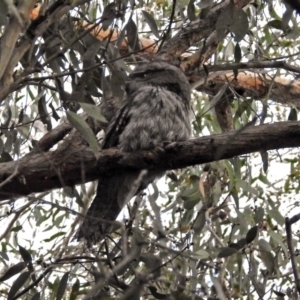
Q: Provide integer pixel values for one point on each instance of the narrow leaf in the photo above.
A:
(241, 243)
(84, 129)
(224, 21)
(265, 159)
(225, 252)
(191, 11)
(54, 236)
(132, 35)
(237, 53)
(240, 24)
(17, 285)
(62, 286)
(251, 234)
(259, 215)
(264, 245)
(25, 254)
(293, 114)
(108, 15)
(75, 290)
(151, 22)
(279, 294)
(13, 271)
(93, 111)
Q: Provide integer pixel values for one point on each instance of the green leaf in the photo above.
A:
(199, 222)
(277, 216)
(132, 35)
(278, 238)
(293, 115)
(275, 24)
(191, 11)
(268, 260)
(62, 286)
(279, 294)
(17, 268)
(83, 128)
(265, 159)
(108, 15)
(224, 21)
(237, 53)
(20, 281)
(241, 243)
(227, 251)
(25, 254)
(264, 245)
(151, 22)
(251, 234)
(259, 215)
(200, 254)
(240, 24)
(54, 236)
(75, 290)
(187, 217)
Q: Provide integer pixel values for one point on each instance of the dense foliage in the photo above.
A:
(216, 230)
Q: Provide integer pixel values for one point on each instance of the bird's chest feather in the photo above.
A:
(156, 115)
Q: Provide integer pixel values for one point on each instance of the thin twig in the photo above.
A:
(288, 229)
(169, 27)
(15, 218)
(33, 284)
(15, 173)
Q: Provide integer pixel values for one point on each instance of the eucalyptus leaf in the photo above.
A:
(227, 251)
(251, 234)
(93, 111)
(240, 24)
(12, 271)
(151, 22)
(20, 281)
(132, 35)
(83, 128)
(25, 254)
(62, 286)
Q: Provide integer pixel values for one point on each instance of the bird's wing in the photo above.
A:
(116, 126)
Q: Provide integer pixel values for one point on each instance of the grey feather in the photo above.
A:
(156, 110)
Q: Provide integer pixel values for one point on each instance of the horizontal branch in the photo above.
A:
(41, 171)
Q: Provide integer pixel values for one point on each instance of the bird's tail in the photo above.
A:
(113, 192)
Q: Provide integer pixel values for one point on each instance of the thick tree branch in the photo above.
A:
(41, 171)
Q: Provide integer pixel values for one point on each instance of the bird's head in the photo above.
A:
(159, 74)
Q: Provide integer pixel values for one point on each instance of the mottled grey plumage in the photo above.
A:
(156, 110)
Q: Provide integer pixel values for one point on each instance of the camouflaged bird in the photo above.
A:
(155, 110)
